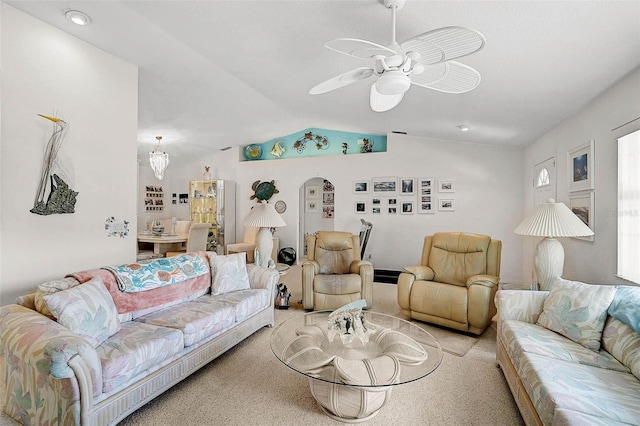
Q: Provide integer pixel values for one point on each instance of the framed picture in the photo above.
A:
(327, 186)
(360, 186)
(312, 206)
(375, 201)
(385, 185)
(447, 205)
(407, 186)
(406, 207)
(392, 210)
(360, 207)
(424, 207)
(375, 209)
(580, 167)
(327, 198)
(312, 192)
(327, 212)
(392, 201)
(583, 206)
(447, 185)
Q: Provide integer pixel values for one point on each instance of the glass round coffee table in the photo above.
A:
(351, 375)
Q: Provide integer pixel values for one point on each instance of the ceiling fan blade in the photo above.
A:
(361, 49)
(382, 103)
(341, 80)
(444, 44)
(448, 77)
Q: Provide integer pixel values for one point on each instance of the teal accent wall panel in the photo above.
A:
(315, 143)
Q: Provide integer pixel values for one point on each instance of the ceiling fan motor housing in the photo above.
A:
(393, 83)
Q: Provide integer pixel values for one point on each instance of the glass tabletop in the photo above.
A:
(397, 351)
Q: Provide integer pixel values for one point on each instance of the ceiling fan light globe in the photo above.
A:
(393, 83)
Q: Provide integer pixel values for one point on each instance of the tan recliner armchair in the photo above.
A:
(455, 283)
(333, 274)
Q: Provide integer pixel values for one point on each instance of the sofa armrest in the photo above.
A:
(41, 360)
(485, 280)
(520, 305)
(261, 277)
(421, 272)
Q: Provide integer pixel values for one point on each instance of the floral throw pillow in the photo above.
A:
(87, 310)
(51, 287)
(577, 311)
(229, 273)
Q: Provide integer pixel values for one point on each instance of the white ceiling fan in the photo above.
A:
(425, 60)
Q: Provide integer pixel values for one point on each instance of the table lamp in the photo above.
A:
(264, 216)
(551, 220)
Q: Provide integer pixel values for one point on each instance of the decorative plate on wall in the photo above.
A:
(253, 152)
(280, 206)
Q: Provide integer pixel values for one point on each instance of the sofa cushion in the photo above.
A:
(521, 337)
(51, 287)
(229, 273)
(556, 384)
(623, 343)
(87, 310)
(564, 417)
(137, 347)
(577, 311)
(626, 306)
(197, 321)
(243, 302)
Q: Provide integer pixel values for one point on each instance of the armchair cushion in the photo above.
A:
(334, 252)
(454, 257)
(338, 284)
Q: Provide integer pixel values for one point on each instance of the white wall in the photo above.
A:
(593, 262)
(45, 71)
(488, 194)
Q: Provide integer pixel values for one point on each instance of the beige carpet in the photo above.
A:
(249, 386)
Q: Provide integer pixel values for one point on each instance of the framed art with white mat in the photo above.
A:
(581, 167)
(582, 204)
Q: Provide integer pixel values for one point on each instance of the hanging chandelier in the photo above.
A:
(159, 160)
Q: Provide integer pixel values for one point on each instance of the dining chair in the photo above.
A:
(196, 241)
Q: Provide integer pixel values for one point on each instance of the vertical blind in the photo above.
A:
(629, 207)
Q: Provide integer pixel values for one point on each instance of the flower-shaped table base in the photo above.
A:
(352, 381)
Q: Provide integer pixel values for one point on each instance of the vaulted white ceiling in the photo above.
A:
(214, 74)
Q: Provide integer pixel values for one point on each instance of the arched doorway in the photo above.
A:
(317, 197)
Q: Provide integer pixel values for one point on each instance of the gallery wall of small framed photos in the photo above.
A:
(153, 198)
(328, 200)
(404, 195)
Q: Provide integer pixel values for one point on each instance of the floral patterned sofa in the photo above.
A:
(93, 347)
(571, 355)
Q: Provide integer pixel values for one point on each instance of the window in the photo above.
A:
(629, 203)
(543, 178)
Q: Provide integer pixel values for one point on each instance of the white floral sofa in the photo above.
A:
(571, 355)
(80, 350)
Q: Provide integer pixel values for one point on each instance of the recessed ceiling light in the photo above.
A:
(464, 128)
(77, 17)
